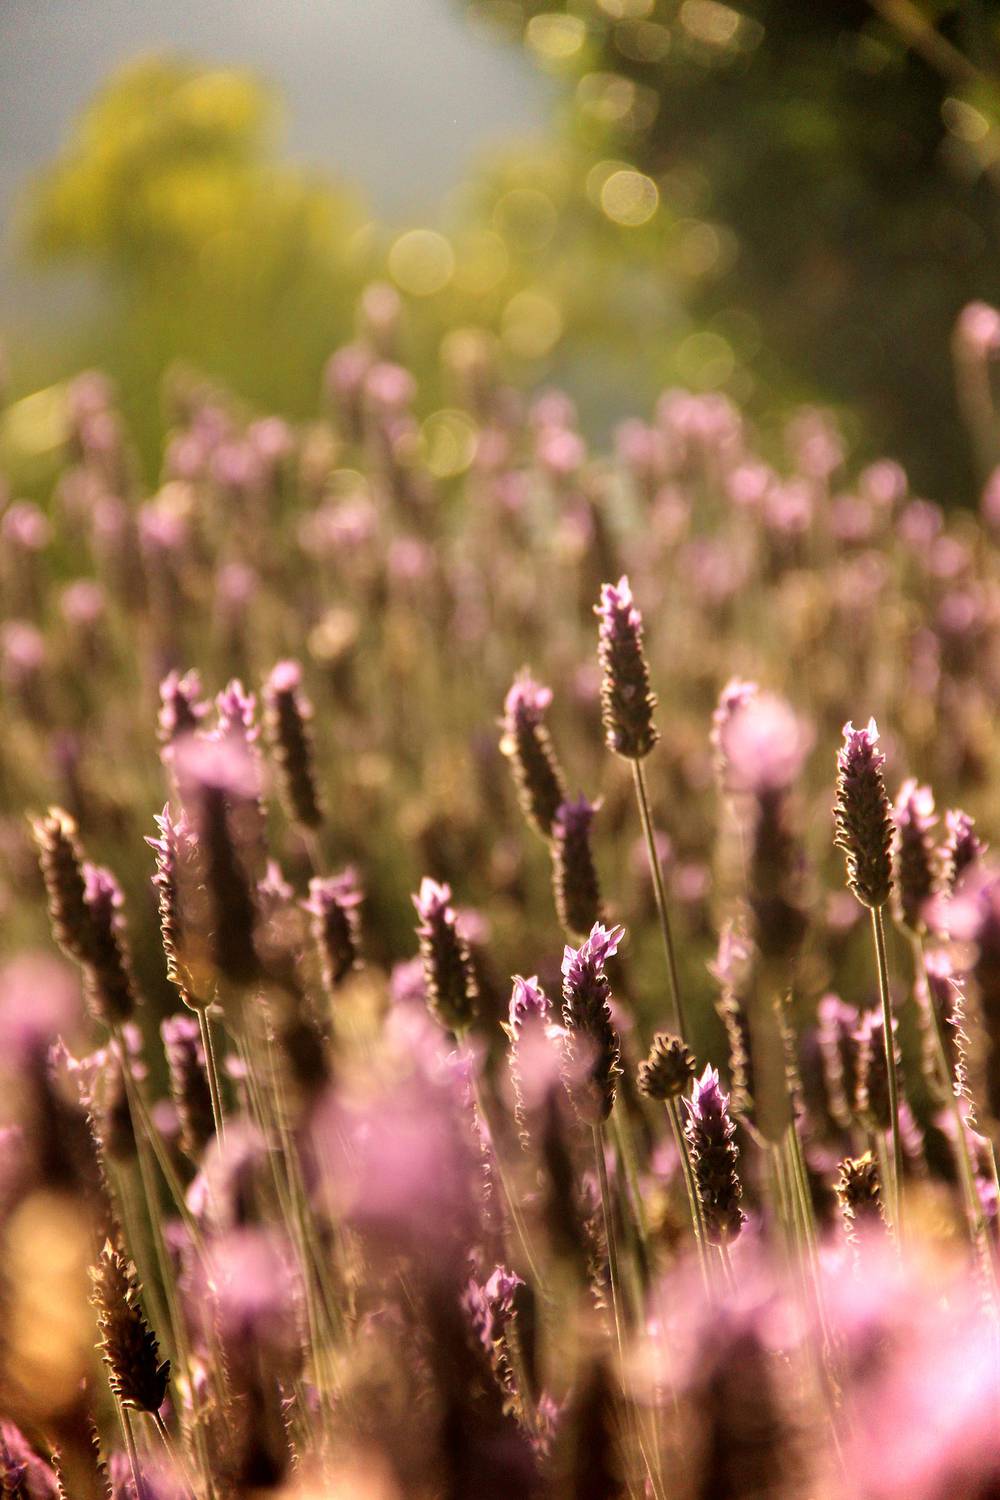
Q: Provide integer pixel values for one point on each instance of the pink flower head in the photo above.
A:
(592, 954)
(763, 744)
(237, 713)
(225, 766)
(527, 700)
(528, 1000)
(978, 330)
(181, 705)
(860, 745)
(433, 902)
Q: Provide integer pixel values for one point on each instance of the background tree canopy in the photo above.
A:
(785, 203)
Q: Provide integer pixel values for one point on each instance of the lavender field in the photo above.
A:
(499, 939)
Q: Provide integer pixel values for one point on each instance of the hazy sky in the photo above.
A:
(394, 94)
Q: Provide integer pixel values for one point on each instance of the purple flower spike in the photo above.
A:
(288, 717)
(574, 877)
(714, 1155)
(528, 1002)
(237, 713)
(333, 904)
(452, 993)
(627, 702)
(915, 819)
(863, 817)
(592, 1045)
(528, 746)
(181, 706)
(962, 848)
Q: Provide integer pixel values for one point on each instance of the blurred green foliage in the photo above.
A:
(786, 203)
(211, 247)
(831, 169)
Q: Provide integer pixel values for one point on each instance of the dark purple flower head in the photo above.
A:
(574, 876)
(189, 1089)
(714, 1156)
(181, 705)
(592, 1045)
(288, 722)
(668, 1069)
(333, 904)
(528, 1002)
(110, 987)
(863, 815)
(915, 819)
(627, 702)
(962, 847)
(236, 711)
(452, 992)
(491, 1304)
(527, 744)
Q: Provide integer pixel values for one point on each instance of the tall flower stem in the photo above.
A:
(639, 777)
(694, 1203)
(132, 1451)
(614, 1273)
(973, 1207)
(878, 931)
(212, 1071)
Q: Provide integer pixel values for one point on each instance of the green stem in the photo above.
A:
(614, 1274)
(973, 1208)
(133, 1456)
(639, 776)
(694, 1202)
(211, 1069)
(878, 931)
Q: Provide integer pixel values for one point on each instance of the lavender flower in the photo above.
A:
(288, 716)
(61, 862)
(452, 993)
(110, 986)
(627, 702)
(863, 816)
(733, 969)
(714, 1155)
(189, 1088)
(592, 1045)
(220, 786)
(839, 1047)
(528, 746)
(667, 1070)
(943, 1008)
(532, 1058)
(175, 851)
(181, 707)
(962, 848)
(128, 1345)
(333, 904)
(914, 818)
(574, 877)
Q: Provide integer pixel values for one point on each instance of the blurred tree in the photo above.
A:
(832, 169)
(213, 249)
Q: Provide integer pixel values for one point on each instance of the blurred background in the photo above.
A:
(778, 201)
